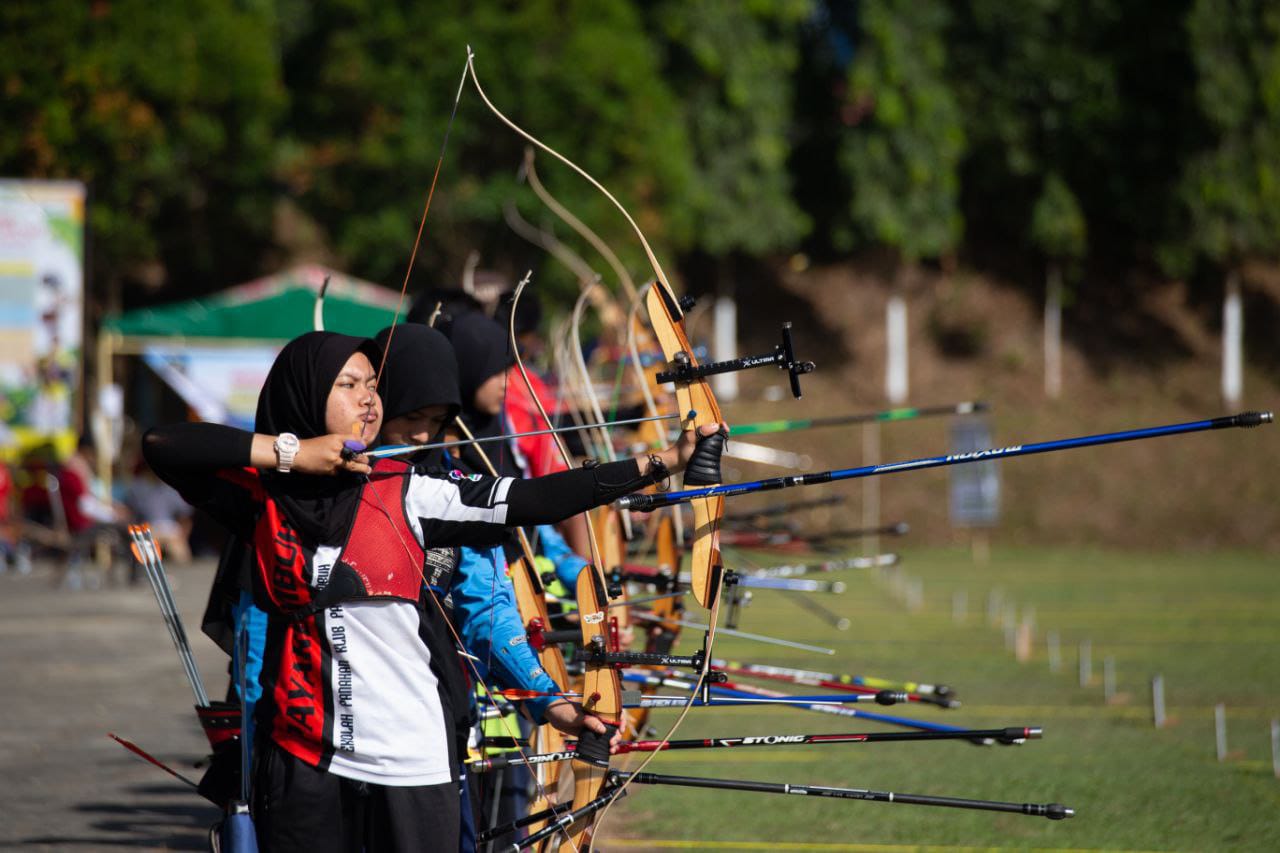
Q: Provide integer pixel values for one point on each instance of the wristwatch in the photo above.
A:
(286, 447)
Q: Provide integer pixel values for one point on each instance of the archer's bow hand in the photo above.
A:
(697, 452)
(571, 719)
(703, 465)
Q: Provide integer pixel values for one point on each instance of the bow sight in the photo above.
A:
(784, 356)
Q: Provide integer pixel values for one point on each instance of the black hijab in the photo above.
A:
(293, 399)
(483, 350)
(421, 371)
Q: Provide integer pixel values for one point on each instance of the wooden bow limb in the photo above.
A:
(532, 604)
(602, 687)
(665, 314)
(535, 183)
(647, 379)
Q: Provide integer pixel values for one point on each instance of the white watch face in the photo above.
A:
(287, 442)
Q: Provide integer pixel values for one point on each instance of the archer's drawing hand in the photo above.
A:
(323, 455)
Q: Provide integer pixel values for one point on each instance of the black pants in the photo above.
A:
(299, 808)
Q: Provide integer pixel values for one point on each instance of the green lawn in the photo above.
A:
(1208, 622)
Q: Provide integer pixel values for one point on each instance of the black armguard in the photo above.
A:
(620, 478)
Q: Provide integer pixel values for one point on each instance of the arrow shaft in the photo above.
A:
(648, 502)
(805, 676)
(764, 427)
(878, 561)
(400, 449)
(759, 638)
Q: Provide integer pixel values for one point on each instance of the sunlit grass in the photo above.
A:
(1207, 622)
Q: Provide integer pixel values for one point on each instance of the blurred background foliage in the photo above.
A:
(222, 138)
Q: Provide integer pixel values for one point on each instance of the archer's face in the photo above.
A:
(417, 427)
(490, 395)
(353, 401)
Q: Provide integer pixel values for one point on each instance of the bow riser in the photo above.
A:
(698, 406)
(601, 695)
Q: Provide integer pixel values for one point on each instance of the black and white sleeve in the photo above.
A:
(456, 508)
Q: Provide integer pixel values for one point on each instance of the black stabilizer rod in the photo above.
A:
(1052, 811)
(1008, 735)
(565, 821)
(784, 356)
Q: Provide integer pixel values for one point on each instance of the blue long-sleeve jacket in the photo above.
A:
(568, 563)
(484, 605)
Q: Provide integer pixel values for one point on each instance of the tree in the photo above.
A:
(168, 113)
(732, 64)
(1231, 189)
(374, 83)
(1061, 90)
(1059, 231)
(902, 153)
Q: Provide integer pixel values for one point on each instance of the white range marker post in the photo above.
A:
(871, 488)
(1220, 729)
(959, 606)
(1055, 651)
(1157, 701)
(917, 595)
(724, 344)
(1026, 635)
(1108, 678)
(896, 383)
(994, 597)
(1085, 657)
(1010, 624)
(1053, 332)
(1275, 747)
(1232, 342)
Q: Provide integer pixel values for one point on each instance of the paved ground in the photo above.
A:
(76, 665)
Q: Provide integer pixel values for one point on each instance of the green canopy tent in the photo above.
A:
(272, 309)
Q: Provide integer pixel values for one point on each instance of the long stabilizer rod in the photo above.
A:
(654, 501)
(1011, 735)
(1053, 811)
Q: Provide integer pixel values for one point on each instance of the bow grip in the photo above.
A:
(704, 465)
(593, 748)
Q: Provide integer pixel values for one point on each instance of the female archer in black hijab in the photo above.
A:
(354, 751)
(484, 356)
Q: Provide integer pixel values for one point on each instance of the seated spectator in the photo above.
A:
(82, 493)
(90, 518)
(158, 504)
(11, 554)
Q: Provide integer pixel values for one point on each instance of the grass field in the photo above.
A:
(1209, 623)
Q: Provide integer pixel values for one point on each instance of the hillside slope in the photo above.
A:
(1154, 362)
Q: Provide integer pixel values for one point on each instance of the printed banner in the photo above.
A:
(220, 384)
(42, 226)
